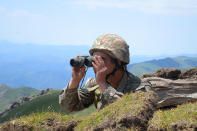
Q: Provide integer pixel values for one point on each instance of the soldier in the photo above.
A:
(111, 82)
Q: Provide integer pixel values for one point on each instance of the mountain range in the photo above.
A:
(40, 67)
(9, 95)
(180, 62)
(47, 66)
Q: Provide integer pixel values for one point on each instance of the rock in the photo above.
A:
(14, 105)
(171, 73)
(177, 87)
(45, 91)
(173, 92)
(190, 73)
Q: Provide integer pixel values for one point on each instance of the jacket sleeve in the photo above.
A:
(76, 99)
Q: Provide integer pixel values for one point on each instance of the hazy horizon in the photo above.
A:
(149, 27)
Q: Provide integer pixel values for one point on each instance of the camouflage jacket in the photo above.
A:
(75, 99)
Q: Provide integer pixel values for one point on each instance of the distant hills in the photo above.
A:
(47, 66)
(180, 62)
(9, 95)
(38, 66)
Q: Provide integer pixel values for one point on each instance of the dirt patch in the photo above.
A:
(49, 124)
(12, 126)
(68, 126)
(178, 126)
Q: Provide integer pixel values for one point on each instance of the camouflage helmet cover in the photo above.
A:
(113, 45)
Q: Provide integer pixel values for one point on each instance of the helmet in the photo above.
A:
(113, 45)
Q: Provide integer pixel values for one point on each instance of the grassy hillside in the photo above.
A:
(128, 113)
(9, 95)
(45, 103)
(133, 105)
(181, 62)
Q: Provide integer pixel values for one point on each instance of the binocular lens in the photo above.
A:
(81, 61)
(88, 61)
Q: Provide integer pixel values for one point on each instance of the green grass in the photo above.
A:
(186, 113)
(35, 119)
(132, 102)
(46, 103)
(39, 120)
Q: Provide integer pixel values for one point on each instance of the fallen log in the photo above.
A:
(173, 92)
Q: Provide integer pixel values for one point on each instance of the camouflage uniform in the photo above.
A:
(75, 99)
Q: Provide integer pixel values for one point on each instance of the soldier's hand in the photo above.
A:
(101, 71)
(78, 73)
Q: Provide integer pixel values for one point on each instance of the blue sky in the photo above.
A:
(150, 27)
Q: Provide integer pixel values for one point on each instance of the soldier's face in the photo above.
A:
(107, 61)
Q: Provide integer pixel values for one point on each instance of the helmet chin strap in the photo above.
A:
(117, 66)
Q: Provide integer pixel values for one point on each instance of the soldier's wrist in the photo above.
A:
(73, 83)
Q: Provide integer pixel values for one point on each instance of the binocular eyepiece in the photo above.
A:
(80, 61)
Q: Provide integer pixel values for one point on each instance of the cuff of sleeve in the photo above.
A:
(68, 90)
(110, 92)
(71, 90)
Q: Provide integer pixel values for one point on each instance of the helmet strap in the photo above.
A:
(117, 66)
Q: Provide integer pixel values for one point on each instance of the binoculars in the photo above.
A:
(80, 61)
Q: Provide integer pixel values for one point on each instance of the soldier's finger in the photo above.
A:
(100, 61)
(94, 65)
(83, 69)
(96, 61)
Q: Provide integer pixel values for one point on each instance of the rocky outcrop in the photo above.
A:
(22, 100)
(165, 73)
(189, 74)
(173, 74)
(173, 87)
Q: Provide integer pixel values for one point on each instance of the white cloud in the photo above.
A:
(19, 13)
(147, 6)
(2, 9)
(23, 13)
